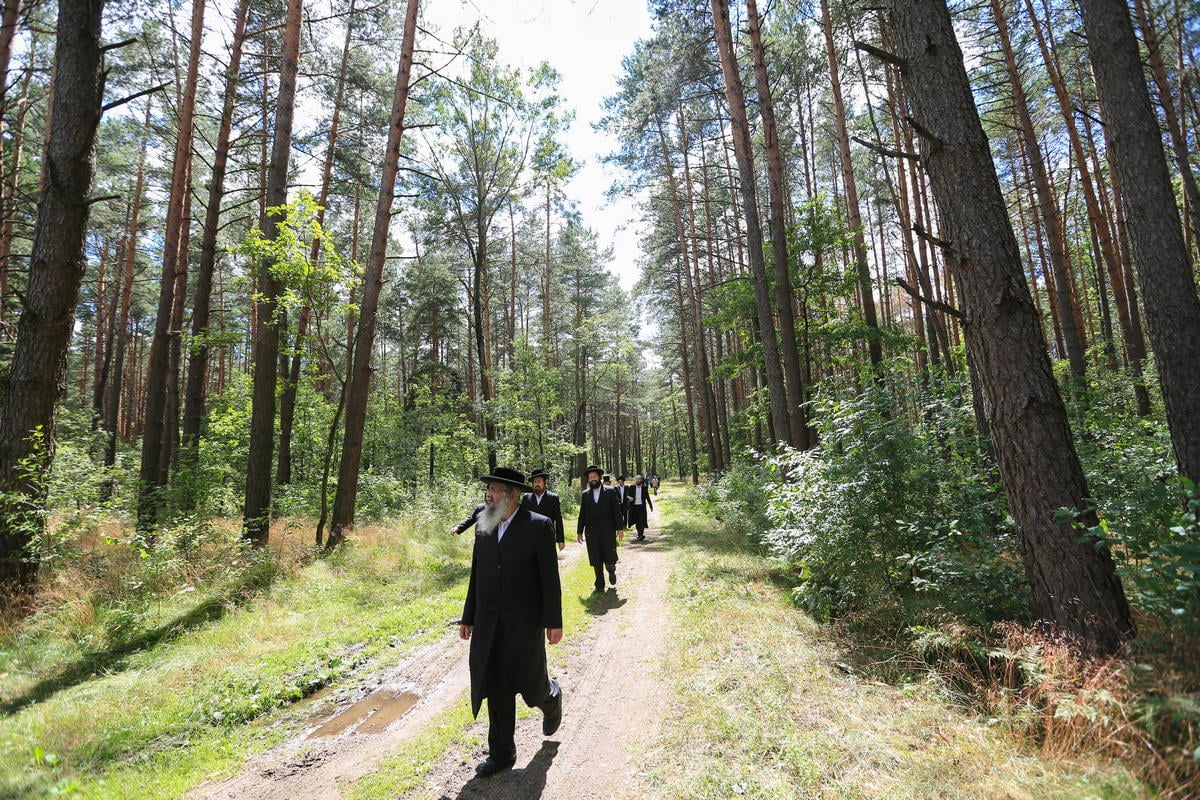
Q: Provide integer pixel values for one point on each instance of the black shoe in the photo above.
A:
(612, 575)
(599, 589)
(490, 766)
(641, 538)
(552, 709)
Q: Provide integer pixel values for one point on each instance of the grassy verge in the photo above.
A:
(145, 693)
(766, 708)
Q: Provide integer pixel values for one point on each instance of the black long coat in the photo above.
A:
(600, 521)
(637, 514)
(549, 507)
(513, 596)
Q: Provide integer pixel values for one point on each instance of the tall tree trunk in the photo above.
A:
(195, 391)
(1047, 204)
(37, 374)
(360, 375)
(150, 479)
(112, 407)
(1156, 236)
(8, 30)
(853, 212)
(1135, 346)
(743, 152)
(777, 201)
(256, 513)
(287, 398)
(1075, 585)
(681, 305)
(708, 404)
(1166, 102)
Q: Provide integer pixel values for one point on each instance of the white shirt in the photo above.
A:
(596, 495)
(504, 525)
(537, 498)
(637, 495)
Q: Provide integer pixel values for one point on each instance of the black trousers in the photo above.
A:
(502, 709)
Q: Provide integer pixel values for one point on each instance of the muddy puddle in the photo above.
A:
(372, 714)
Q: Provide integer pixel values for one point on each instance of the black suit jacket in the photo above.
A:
(514, 594)
(549, 507)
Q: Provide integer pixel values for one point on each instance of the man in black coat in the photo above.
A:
(602, 519)
(540, 501)
(637, 501)
(513, 607)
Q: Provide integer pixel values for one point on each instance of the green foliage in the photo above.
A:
(885, 510)
(1149, 515)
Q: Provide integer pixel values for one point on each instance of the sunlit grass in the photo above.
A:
(765, 708)
(153, 708)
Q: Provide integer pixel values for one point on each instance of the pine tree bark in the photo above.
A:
(777, 201)
(8, 30)
(743, 152)
(1160, 254)
(858, 243)
(112, 406)
(150, 478)
(1075, 586)
(195, 390)
(256, 513)
(360, 375)
(1102, 229)
(37, 374)
(1047, 205)
(287, 398)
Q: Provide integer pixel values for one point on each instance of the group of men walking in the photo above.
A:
(513, 605)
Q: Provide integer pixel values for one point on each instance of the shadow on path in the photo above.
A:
(527, 783)
(600, 603)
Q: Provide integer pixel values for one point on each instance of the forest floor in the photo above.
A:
(693, 678)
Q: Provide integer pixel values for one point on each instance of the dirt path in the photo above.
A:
(612, 699)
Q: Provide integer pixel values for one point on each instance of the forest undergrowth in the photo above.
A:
(896, 534)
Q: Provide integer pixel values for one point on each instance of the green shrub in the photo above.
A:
(885, 510)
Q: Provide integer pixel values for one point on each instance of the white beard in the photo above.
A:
(489, 519)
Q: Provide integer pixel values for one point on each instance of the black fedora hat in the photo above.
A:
(539, 473)
(511, 477)
(593, 468)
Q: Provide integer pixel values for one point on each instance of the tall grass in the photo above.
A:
(138, 670)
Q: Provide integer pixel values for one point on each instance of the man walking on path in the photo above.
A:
(540, 501)
(514, 599)
(638, 501)
(601, 522)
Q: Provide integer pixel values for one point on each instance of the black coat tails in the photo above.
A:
(513, 596)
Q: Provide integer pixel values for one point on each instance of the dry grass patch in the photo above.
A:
(767, 709)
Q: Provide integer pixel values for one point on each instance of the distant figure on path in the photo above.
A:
(513, 607)
(540, 501)
(601, 522)
(637, 499)
(654, 485)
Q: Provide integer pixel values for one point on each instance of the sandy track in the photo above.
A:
(613, 697)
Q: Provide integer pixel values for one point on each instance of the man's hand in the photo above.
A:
(562, 546)
(553, 635)
(579, 538)
(464, 632)
(621, 534)
(455, 531)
